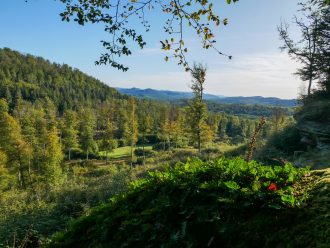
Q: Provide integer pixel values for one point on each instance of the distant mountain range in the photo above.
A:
(167, 95)
(163, 95)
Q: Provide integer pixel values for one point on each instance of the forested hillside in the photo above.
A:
(34, 78)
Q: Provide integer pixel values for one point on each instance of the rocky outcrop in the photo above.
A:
(315, 134)
(313, 122)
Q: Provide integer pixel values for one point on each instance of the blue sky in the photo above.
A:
(258, 66)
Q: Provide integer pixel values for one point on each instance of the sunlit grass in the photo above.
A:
(124, 151)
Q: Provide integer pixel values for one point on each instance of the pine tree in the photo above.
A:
(52, 158)
(6, 179)
(31, 127)
(86, 131)
(131, 134)
(145, 126)
(13, 145)
(162, 130)
(223, 128)
(197, 109)
(123, 124)
(178, 131)
(167, 132)
(214, 122)
(69, 131)
(108, 141)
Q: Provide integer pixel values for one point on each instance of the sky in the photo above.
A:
(258, 66)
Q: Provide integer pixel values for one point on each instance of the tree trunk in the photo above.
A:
(19, 178)
(310, 78)
(69, 154)
(20, 175)
(144, 156)
(87, 153)
(106, 157)
(29, 162)
(199, 142)
(131, 155)
(309, 87)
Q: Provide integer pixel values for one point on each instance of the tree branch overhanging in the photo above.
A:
(117, 17)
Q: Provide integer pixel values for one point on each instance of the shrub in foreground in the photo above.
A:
(196, 204)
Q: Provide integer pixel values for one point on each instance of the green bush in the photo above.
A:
(196, 204)
(161, 146)
(211, 150)
(139, 152)
(122, 142)
(165, 146)
(80, 154)
(149, 139)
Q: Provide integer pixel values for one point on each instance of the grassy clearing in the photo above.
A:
(125, 151)
(225, 147)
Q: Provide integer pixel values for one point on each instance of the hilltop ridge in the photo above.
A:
(168, 95)
(33, 78)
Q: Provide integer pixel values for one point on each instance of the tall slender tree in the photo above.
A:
(13, 145)
(197, 109)
(86, 131)
(306, 49)
(323, 58)
(132, 127)
(145, 126)
(69, 131)
(108, 142)
(52, 157)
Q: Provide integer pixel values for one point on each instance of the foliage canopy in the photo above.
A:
(118, 18)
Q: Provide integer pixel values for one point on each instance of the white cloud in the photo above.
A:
(246, 75)
(255, 74)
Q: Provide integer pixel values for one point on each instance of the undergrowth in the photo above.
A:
(195, 204)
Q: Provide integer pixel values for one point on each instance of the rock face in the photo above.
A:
(315, 134)
(314, 124)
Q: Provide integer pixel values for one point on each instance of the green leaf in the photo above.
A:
(288, 199)
(256, 186)
(232, 185)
